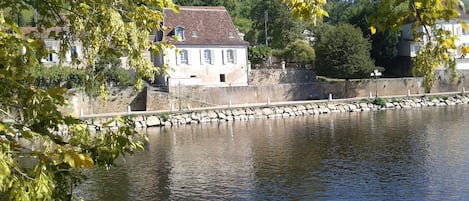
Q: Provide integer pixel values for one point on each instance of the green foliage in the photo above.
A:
(365, 100)
(164, 116)
(57, 76)
(259, 54)
(299, 51)
(243, 24)
(68, 77)
(42, 151)
(342, 52)
(379, 101)
(433, 55)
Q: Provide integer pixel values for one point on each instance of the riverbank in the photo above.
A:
(277, 110)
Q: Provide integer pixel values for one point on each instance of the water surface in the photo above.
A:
(416, 154)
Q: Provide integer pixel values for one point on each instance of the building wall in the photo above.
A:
(279, 76)
(298, 91)
(185, 97)
(197, 72)
(409, 48)
(53, 58)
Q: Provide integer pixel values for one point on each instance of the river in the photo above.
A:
(413, 154)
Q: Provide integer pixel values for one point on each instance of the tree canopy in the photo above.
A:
(42, 150)
(343, 52)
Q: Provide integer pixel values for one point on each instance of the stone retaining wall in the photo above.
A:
(286, 111)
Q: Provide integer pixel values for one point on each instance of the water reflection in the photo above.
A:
(392, 155)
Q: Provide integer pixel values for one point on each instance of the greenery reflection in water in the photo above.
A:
(417, 154)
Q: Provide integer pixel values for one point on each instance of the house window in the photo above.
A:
(194, 34)
(230, 56)
(208, 56)
(222, 78)
(74, 51)
(51, 56)
(183, 57)
(465, 32)
(416, 48)
(179, 32)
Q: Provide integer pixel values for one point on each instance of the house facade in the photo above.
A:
(209, 50)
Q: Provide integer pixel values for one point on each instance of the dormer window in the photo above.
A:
(179, 31)
(230, 35)
(194, 34)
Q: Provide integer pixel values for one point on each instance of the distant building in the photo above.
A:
(209, 50)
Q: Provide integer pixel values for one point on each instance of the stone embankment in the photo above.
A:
(168, 119)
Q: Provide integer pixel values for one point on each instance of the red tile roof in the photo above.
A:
(44, 34)
(210, 25)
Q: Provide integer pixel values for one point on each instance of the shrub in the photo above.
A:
(69, 77)
(379, 101)
(164, 116)
(57, 76)
(259, 54)
(343, 52)
(299, 52)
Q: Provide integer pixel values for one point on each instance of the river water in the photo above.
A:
(414, 154)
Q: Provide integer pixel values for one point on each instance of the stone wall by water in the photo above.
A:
(284, 111)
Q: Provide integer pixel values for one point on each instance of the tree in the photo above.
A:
(42, 151)
(282, 29)
(437, 43)
(299, 52)
(259, 54)
(342, 52)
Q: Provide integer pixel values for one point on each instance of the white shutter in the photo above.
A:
(55, 56)
(68, 56)
(212, 57)
(201, 57)
(188, 58)
(223, 57)
(234, 56)
(177, 57)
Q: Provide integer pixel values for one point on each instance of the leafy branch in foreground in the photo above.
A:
(436, 43)
(42, 151)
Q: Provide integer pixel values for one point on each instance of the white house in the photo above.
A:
(209, 50)
(52, 58)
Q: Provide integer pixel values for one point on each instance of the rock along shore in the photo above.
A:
(168, 119)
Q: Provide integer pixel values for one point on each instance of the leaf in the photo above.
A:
(2, 127)
(373, 30)
(77, 160)
(465, 50)
(418, 5)
(57, 90)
